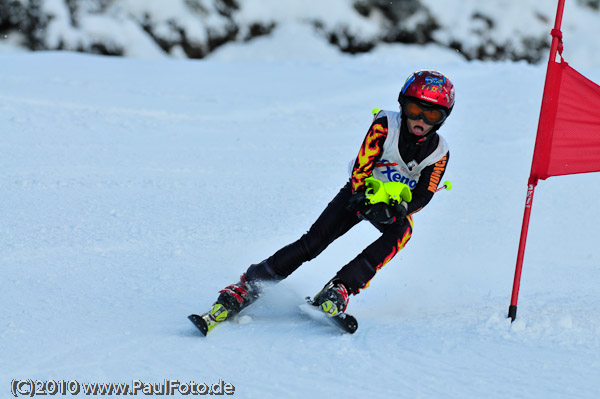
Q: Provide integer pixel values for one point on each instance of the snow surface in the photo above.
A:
(133, 190)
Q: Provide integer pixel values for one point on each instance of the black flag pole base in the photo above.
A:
(512, 312)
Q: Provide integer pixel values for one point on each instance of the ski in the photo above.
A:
(345, 321)
(207, 321)
(202, 322)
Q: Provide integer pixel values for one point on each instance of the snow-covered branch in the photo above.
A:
(490, 30)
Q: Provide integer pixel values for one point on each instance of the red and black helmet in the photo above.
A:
(429, 87)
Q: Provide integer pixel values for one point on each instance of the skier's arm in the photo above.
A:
(428, 183)
(370, 151)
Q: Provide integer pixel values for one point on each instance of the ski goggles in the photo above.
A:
(431, 116)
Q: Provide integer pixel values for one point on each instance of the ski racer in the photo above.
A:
(399, 147)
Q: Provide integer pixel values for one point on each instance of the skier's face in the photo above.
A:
(418, 127)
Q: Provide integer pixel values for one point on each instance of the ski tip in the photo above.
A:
(350, 324)
(199, 322)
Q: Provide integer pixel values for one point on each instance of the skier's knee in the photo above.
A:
(262, 271)
(312, 246)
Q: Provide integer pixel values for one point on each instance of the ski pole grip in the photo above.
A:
(398, 191)
(375, 191)
(378, 191)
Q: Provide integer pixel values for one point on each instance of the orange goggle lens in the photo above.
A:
(430, 116)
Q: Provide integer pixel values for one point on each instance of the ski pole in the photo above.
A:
(447, 186)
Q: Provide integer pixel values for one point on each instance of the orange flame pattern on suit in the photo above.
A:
(400, 245)
(369, 151)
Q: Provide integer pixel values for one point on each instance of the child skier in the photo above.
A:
(399, 147)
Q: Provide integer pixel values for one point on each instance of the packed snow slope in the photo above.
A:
(133, 190)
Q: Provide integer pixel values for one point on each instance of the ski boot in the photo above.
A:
(235, 297)
(232, 299)
(332, 301)
(333, 298)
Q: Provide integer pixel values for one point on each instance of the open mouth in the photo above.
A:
(418, 130)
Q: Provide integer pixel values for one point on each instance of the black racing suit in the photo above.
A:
(338, 218)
